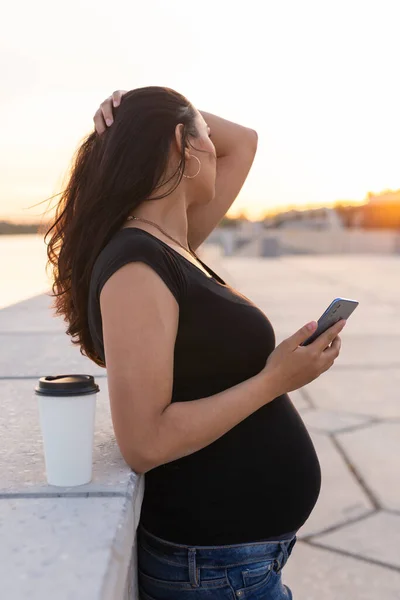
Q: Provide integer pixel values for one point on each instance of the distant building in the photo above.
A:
(317, 219)
(386, 197)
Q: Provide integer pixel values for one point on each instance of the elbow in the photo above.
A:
(143, 451)
(139, 466)
(139, 461)
(253, 139)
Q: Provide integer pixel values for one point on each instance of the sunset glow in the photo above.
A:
(318, 81)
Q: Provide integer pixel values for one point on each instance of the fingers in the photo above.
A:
(326, 338)
(106, 109)
(334, 349)
(116, 97)
(331, 353)
(99, 123)
(107, 106)
(301, 335)
(104, 117)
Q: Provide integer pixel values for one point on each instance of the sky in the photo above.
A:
(318, 80)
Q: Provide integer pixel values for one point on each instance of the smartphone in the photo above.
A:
(340, 308)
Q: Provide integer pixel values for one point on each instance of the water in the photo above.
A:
(22, 268)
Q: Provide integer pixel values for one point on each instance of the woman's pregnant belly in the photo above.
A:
(262, 478)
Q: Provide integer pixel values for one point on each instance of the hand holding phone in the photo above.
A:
(290, 367)
(340, 308)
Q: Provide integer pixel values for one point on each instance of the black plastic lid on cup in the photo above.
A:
(66, 385)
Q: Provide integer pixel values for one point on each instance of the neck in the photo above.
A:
(169, 213)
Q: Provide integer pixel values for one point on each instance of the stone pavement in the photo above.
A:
(350, 547)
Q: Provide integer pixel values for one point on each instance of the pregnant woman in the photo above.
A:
(198, 390)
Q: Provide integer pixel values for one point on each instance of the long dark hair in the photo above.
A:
(111, 175)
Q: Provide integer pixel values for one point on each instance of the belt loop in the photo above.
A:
(193, 571)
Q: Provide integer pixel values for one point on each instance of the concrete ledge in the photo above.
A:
(74, 543)
(70, 548)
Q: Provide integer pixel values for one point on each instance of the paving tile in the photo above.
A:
(293, 290)
(374, 276)
(348, 500)
(374, 538)
(331, 421)
(319, 574)
(369, 351)
(369, 391)
(375, 453)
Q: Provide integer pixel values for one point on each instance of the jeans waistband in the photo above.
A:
(217, 556)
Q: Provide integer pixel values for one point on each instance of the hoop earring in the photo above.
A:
(193, 176)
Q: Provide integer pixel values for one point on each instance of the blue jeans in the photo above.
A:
(168, 571)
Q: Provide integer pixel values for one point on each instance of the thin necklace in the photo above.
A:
(132, 218)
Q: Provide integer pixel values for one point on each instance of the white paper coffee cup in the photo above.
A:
(67, 408)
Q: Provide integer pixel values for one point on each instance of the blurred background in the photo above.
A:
(318, 217)
(317, 80)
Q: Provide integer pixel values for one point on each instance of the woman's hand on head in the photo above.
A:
(104, 117)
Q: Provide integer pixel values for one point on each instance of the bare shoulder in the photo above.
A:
(132, 285)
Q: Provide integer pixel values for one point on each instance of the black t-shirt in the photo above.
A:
(260, 479)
